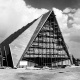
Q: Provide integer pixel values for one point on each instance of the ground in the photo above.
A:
(55, 74)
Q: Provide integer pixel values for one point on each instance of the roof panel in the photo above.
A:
(18, 46)
(41, 23)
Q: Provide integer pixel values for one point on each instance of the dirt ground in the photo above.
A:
(55, 74)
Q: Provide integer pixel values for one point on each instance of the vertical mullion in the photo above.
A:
(42, 51)
(38, 48)
(5, 56)
(49, 44)
(34, 54)
(46, 48)
(1, 58)
(57, 51)
(29, 57)
(53, 43)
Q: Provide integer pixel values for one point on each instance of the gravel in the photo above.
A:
(55, 74)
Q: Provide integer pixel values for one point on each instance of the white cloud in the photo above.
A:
(69, 21)
(61, 18)
(67, 10)
(14, 14)
(76, 16)
(73, 39)
(73, 17)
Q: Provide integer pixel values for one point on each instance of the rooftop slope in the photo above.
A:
(19, 44)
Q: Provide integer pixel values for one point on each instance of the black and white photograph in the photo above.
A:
(39, 39)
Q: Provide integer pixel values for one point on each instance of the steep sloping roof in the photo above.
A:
(5, 48)
(39, 26)
(18, 46)
(37, 29)
(13, 36)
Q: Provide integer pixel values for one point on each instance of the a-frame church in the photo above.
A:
(40, 42)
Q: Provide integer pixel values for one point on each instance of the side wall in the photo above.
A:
(5, 56)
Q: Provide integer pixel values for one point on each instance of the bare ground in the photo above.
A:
(55, 74)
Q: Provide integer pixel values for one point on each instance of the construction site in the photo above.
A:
(43, 46)
(39, 39)
(38, 51)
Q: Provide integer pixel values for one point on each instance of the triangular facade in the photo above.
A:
(46, 45)
(7, 57)
(18, 46)
(42, 43)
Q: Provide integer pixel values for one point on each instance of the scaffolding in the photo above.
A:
(48, 48)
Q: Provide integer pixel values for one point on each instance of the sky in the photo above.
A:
(15, 14)
(48, 4)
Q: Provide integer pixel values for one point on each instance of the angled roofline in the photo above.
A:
(63, 39)
(16, 34)
(13, 36)
(32, 38)
(64, 42)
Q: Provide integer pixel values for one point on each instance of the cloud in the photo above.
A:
(62, 21)
(69, 10)
(73, 24)
(73, 17)
(15, 14)
(61, 18)
(76, 19)
(69, 22)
